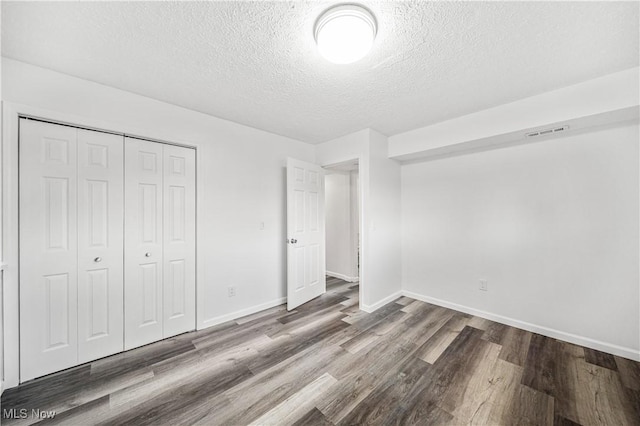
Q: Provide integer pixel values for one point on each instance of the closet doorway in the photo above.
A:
(107, 244)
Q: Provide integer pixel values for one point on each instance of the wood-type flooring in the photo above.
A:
(328, 363)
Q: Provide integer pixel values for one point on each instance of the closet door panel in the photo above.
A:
(143, 242)
(101, 246)
(179, 240)
(48, 248)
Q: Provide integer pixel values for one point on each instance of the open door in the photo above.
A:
(305, 232)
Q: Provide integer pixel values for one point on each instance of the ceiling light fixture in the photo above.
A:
(345, 33)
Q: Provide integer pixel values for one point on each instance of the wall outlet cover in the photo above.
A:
(483, 285)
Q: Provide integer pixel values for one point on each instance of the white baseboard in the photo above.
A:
(241, 313)
(545, 331)
(380, 303)
(342, 277)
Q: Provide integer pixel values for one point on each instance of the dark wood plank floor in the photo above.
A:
(329, 363)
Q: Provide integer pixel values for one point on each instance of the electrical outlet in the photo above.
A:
(231, 291)
(483, 285)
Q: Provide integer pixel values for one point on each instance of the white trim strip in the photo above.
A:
(342, 277)
(624, 352)
(380, 303)
(241, 313)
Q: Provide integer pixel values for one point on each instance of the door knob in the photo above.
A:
(147, 254)
(97, 259)
(293, 241)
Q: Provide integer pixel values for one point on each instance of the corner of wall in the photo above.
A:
(383, 225)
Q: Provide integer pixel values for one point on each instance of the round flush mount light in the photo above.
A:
(345, 33)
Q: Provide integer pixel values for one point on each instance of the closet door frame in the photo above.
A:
(9, 232)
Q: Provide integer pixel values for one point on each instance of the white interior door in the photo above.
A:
(179, 244)
(48, 248)
(100, 244)
(143, 242)
(305, 232)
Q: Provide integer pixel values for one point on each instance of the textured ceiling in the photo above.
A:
(256, 63)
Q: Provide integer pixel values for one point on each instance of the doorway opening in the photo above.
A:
(342, 230)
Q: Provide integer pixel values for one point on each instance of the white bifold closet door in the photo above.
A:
(71, 250)
(179, 243)
(100, 245)
(159, 241)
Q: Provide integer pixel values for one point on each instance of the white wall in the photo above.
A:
(345, 148)
(341, 261)
(2, 386)
(384, 262)
(241, 181)
(552, 226)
